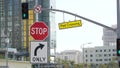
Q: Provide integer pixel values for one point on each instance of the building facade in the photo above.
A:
(109, 36)
(10, 23)
(70, 55)
(13, 27)
(100, 55)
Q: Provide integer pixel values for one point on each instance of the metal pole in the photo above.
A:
(83, 55)
(118, 26)
(36, 14)
(7, 55)
(84, 52)
(7, 42)
(92, 21)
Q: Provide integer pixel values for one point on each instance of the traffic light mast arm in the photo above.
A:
(94, 22)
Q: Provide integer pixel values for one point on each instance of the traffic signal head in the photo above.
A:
(118, 47)
(24, 10)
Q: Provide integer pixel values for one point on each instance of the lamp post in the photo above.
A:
(7, 45)
(6, 54)
(83, 50)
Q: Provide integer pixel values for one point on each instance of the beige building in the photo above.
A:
(70, 55)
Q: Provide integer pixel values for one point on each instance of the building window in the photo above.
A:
(9, 13)
(86, 60)
(96, 50)
(91, 55)
(109, 54)
(100, 59)
(105, 59)
(96, 59)
(86, 55)
(105, 55)
(100, 50)
(114, 50)
(109, 59)
(114, 54)
(104, 50)
(66, 58)
(91, 60)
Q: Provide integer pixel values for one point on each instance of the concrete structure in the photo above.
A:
(109, 36)
(100, 55)
(70, 55)
(16, 64)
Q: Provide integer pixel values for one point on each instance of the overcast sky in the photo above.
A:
(103, 11)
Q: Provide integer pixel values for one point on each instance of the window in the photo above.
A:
(109, 59)
(100, 50)
(9, 13)
(104, 50)
(91, 60)
(91, 55)
(100, 59)
(96, 50)
(86, 55)
(105, 55)
(9, 23)
(105, 59)
(114, 50)
(114, 54)
(86, 60)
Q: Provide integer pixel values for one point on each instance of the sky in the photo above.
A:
(102, 11)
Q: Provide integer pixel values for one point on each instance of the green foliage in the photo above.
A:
(71, 64)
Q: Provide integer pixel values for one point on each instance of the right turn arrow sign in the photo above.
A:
(38, 52)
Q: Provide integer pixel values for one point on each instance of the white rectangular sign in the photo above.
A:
(38, 52)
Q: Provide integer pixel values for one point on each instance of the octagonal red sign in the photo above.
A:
(39, 30)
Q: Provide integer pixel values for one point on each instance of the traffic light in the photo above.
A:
(24, 10)
(118, 47)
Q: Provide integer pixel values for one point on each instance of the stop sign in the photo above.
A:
(39, 30)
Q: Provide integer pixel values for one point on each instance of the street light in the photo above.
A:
(6, 56)
(7, 43)
(83, 50)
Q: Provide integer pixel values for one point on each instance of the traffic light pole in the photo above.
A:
(92, 21)
(118, 29)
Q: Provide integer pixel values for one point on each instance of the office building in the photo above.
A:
(109, 36)
(70, 55)
(100, 55)
(10, 24)
(13, 27)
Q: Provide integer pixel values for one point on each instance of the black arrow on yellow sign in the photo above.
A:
(40, 46)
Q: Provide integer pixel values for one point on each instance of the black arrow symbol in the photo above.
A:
(40, 46)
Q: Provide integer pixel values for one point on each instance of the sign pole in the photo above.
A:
(36, 14)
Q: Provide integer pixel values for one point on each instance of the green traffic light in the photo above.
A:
(118, 51)
(24, 15)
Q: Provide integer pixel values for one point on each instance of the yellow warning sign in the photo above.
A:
(70, 24)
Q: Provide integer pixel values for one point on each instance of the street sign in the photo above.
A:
(38, 52)
(70, 24)
(37, 9)
(39, 30)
